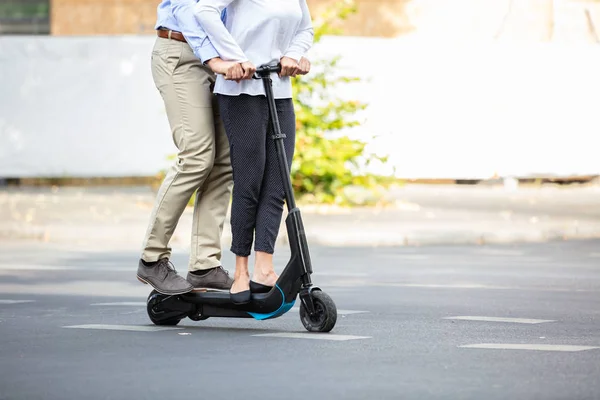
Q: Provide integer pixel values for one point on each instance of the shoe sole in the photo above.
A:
(162, 291)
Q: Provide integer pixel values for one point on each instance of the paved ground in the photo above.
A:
(414, 324)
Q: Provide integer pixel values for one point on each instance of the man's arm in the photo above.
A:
(207, 13)
(183, 10)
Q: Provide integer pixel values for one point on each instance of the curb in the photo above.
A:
(337, 237)
(414, 238)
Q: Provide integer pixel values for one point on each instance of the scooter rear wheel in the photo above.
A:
(153, 300)
(325, 313)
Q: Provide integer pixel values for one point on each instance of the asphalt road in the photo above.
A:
(405, 317)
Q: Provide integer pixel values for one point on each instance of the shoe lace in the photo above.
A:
(168, 264)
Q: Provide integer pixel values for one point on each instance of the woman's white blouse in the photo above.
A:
(259, 31)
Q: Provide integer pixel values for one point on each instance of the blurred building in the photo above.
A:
(107, 17)
(522, 20)
(483, 87)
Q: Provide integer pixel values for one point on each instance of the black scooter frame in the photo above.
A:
(294, 280)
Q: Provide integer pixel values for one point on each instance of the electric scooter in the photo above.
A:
(318, 312)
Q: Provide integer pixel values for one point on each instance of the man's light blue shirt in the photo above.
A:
(178, 15)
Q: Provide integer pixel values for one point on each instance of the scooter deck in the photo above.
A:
(261, 306)
(218, 298)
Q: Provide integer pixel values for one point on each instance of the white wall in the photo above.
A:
(88, 106)
(80, 107)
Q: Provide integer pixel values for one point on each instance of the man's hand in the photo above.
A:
(219, 66)
(232, 70)
(249, 70)
(304, 66)
(289, 67)
(234, 73)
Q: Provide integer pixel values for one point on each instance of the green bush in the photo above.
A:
(321, 169)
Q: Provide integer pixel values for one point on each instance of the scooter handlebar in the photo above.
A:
(265, 70)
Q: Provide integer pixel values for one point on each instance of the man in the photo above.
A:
(182, 60)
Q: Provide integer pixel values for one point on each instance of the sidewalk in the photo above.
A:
(116, 218)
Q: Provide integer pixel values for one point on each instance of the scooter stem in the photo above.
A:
(278, 136)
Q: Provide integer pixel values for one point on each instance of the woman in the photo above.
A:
(255, 33)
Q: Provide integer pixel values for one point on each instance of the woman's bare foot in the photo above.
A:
(240, 283)
(269, 279)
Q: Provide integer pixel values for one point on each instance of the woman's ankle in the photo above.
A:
(241, 275)
(264, 272)
(241, 267)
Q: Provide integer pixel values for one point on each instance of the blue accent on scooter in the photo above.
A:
(285, 307)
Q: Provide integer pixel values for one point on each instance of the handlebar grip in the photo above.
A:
(265, 70)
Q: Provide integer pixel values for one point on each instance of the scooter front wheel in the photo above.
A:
(325, 313)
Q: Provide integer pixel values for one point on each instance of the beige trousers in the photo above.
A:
(202, 164)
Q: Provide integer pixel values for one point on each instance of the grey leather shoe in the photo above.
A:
(215, 279)
(163, 277)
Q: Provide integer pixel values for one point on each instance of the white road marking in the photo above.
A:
(343, 274)
(135, 328)
(35, 267)
(445, 286)
(15, 301)
(349, 312)
(538, 347)
(314, 336)
(469, 286)
(45, 267)
(339, 312)
(498, 319)
(412, 257)
(498, 252)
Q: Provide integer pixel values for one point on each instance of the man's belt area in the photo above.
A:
(168, 34)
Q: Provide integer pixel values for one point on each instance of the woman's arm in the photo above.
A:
(208, 13)
(303, 38)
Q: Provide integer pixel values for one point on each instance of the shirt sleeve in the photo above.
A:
(207, 13)
(303, 38)
(192, 31)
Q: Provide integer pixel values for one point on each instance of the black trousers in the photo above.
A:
(258, 194)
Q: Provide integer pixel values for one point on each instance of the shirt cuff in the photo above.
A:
(206, 52)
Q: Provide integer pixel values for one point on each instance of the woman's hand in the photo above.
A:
(304, 66)
(289, 67)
